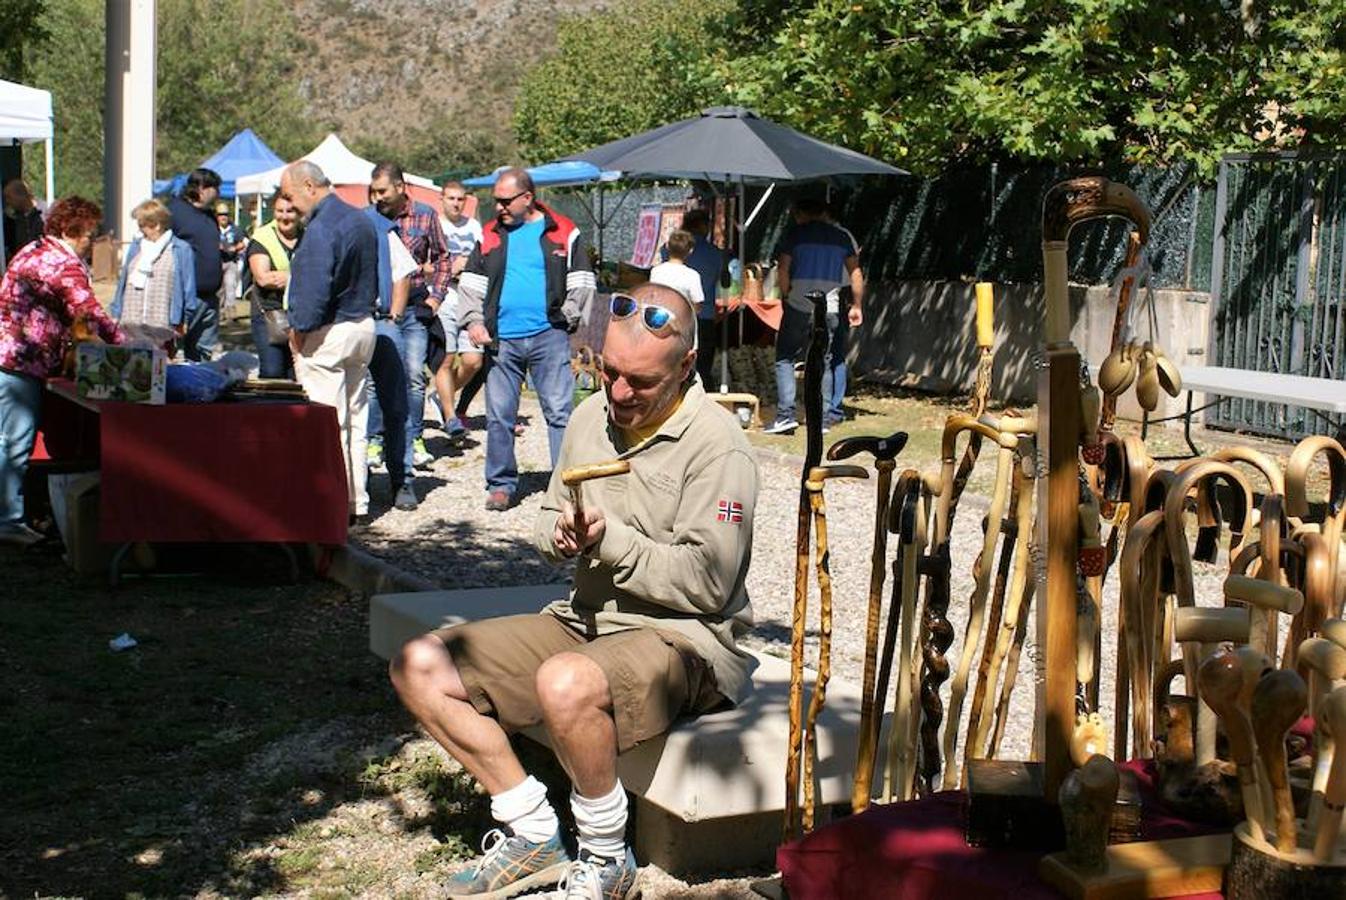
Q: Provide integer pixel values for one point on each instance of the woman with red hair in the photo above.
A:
(44, 291)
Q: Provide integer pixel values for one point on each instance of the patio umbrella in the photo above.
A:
(731, 145)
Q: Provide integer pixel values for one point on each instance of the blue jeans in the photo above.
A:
(275, 358)
(545, 357)
(791, 343)
(202, 340)
(388, 399)
(20, 403)
(412, 341)
(834, 399)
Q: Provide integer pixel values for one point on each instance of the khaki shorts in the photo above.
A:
(654, 676)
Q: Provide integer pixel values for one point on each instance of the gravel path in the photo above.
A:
(454, 542)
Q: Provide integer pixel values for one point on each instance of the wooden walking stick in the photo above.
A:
(1220, 681)
(1278, 702)
(813, 453)
(972, 634)
(818, 505)
(1014, 613)
(1334, 797)
(1203, 629)
(1321, 663)
(885, 452)
(574, 479)
(1263, 598)
(908, 518)
(979, 719)
(1066, 205)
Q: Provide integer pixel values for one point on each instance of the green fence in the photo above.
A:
(1277, 296)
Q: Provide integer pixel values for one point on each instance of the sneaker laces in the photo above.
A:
(579, 878)
(492, 845)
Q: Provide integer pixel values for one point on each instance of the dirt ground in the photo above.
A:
(248, 745)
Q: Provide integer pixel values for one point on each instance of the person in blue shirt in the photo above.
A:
(194, 222)
(815, 255)
(333, 290)
(522, 293)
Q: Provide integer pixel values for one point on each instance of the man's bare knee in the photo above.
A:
(424, 663)
(569, 682)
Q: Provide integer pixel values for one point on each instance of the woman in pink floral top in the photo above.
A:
(44, 290)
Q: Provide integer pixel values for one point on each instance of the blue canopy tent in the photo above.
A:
(244, 154)
(553, 174)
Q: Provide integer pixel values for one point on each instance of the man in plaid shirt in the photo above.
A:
(418, 225)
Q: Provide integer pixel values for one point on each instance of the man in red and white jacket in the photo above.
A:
(523, 291)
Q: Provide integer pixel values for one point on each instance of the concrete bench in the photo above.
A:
(710, 794)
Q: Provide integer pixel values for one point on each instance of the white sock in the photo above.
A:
(524, 808)
(601, 822)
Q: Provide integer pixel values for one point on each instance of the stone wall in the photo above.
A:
(923, 334)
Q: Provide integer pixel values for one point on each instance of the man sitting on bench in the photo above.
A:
(647, 635)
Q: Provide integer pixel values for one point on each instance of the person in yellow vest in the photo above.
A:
(268, 256)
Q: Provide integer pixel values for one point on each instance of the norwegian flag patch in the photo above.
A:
(730, 511)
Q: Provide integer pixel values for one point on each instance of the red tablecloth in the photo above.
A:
(915, 850)
(264, 472)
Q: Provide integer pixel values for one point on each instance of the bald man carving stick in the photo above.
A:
(648, 632)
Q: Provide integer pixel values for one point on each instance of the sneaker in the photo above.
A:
(18, 534)
(456, 429)
(406, 497)
(510, 865)
(499, 500)
(595, 878)
(374, 454)
(420, 457)
(782, 426)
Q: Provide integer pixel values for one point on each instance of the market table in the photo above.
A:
(915, 850)
(257, 472)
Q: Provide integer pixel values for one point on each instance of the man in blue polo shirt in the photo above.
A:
(815, 255)
(334, 278)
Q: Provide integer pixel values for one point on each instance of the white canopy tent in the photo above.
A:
(337, 162)
(25, 117)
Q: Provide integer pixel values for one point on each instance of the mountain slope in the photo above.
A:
(430, 80)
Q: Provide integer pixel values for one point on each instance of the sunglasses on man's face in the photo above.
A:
(658, 319)
(506, 201)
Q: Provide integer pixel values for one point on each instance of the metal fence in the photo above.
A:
(1278, 282)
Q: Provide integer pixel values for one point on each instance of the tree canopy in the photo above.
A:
(921, 84)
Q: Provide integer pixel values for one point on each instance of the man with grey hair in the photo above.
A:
(333, 289)
(522, 293)
(647, 635)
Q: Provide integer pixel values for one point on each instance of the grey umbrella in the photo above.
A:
(733, 145)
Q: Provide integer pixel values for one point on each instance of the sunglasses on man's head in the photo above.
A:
(658, 319)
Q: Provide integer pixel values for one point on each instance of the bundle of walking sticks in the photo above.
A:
(1073, 504)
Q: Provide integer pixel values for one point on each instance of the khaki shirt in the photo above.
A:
(678, 536)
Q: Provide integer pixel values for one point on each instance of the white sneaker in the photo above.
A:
(18, 534)
(782, 426)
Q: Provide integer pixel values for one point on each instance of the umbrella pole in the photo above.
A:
(724, 320)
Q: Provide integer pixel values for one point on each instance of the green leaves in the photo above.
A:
(927, 83)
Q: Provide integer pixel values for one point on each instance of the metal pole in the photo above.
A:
(51, 173)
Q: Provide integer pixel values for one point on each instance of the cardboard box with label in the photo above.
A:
(110, 372)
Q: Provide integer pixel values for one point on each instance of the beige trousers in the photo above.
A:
(333, 366)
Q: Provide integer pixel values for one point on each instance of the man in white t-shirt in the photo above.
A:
(675, 273)
(462, 358)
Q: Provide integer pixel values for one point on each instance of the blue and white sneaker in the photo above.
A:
(596, 878)
(509, 866)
